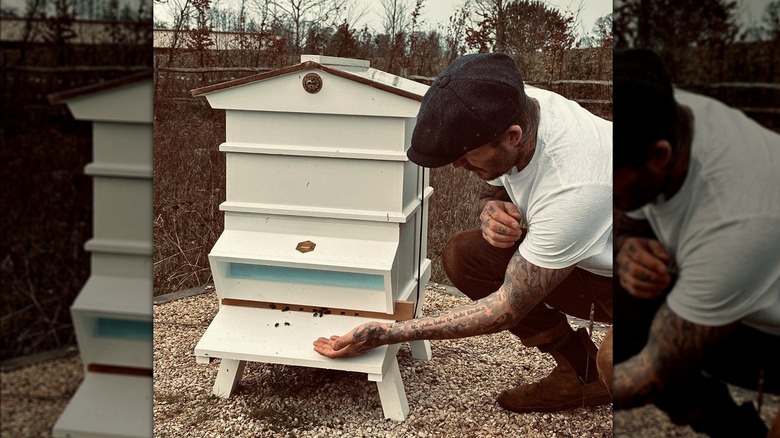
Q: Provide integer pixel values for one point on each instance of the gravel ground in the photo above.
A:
(34, 396)
(451, 395)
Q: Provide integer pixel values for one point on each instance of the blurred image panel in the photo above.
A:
(75, 252)
(697, 209)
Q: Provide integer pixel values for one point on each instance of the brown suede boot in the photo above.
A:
(559, 391)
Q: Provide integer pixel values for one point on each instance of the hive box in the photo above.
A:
(112, 314)
(324, 215)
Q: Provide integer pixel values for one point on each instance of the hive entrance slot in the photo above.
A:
(307, 276)
(124, 329)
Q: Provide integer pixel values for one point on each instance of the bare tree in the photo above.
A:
(200, 36)
(395, 23)
(34, 11)
(771, 21)
(455, 32)
(493, 16)
(306, 15)
(59, 28)
(181, 11)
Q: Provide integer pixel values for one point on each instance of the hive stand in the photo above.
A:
(112, 314)
(324, 216)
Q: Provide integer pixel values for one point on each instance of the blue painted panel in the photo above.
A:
(307, 276)
(124, 329)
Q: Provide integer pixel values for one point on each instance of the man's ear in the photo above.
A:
(513, 134)
(659, 155)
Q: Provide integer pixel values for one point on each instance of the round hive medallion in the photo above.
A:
(312, 83)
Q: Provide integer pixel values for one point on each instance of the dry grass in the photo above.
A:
(43, 264)
(189, 186)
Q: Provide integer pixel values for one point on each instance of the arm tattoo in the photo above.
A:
(674, 348)
(524, 287)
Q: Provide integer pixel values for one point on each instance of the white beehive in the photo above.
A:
(112, 314)
(324, 213)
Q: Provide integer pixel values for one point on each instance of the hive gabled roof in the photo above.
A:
(65, 95)
(371, 77)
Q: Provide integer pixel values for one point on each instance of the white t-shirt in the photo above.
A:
(723, 226)
(565, 192)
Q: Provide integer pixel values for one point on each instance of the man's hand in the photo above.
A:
(361, 339)
(642, 267)
(501, 223)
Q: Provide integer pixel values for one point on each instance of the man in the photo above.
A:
(697, 252)
(545, 245)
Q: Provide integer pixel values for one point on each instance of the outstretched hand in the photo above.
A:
(358, 341)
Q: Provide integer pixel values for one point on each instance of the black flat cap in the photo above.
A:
(643, 103)
(471, 102)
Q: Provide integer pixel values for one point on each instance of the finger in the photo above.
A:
(496, 211)
(323, 347)
(499, 228)
(498, 243)
(639, 289)
(645, 277)
(511, 210)
(638, 251)
(503, 235)
(658, 250)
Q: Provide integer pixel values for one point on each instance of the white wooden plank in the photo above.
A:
(123, 209)
(312, 151)
(331, 253)
(108, 405)
(121, 265)
(125, 297)
(315, 182)
(327, 131)
(119, 246)
(312, 226)
(307, 211)
(126, 143)
(251, 334)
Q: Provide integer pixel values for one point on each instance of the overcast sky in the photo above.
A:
(438, 11)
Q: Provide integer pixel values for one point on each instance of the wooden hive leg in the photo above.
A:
(228, 376)
(391, 392)
(421, 350)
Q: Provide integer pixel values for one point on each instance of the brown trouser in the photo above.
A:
(477, 269)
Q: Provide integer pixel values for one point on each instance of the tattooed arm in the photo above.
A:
(674, 347)
(525, 286)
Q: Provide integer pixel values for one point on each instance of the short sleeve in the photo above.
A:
(569, 225)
